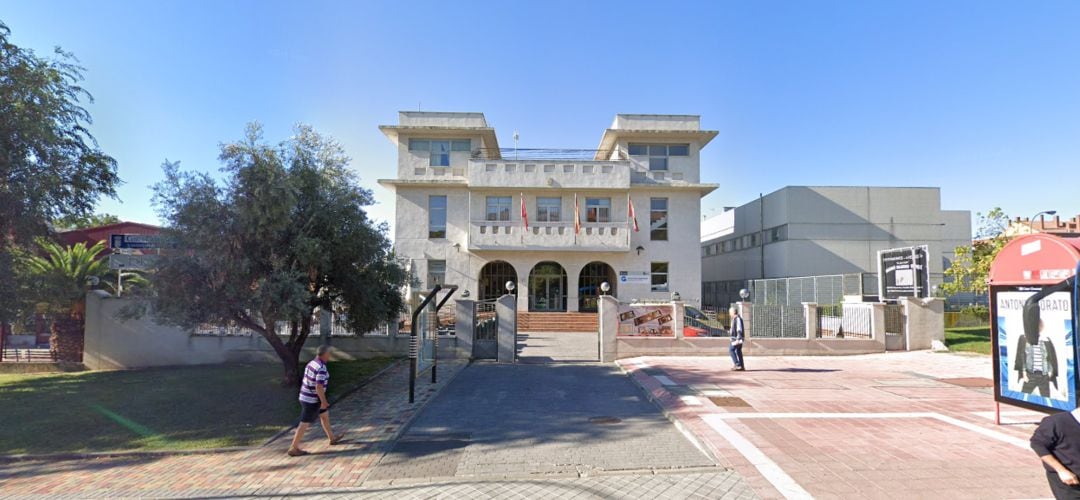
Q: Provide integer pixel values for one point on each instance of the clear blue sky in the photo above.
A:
(980, 98)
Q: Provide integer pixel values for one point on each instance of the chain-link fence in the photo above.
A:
(827, 289)
(778, 321)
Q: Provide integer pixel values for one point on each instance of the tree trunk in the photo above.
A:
(292, 371)
(66, 341)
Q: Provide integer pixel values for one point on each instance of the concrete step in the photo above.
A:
(557, 322)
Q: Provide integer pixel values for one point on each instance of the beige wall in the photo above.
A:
(112, 343)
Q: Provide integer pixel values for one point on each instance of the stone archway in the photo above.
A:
(592, 275)
(547, 287)
(492, 280)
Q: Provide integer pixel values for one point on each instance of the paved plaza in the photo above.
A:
(895, 425)
(558, 347)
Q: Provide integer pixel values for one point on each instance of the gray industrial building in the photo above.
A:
(824, 230)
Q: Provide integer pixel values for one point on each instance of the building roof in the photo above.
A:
(611, 135)
(92, 235)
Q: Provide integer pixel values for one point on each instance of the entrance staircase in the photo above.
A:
(557, 322)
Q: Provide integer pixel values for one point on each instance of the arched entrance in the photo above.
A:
(592, 275)
(547, 287)
(493, 278)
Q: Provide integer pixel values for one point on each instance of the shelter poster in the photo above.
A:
(1036, 363)
(646, 321)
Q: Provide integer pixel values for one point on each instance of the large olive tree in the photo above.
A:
(285, 233)
(50, 165)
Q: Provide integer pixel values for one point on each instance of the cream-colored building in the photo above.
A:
(459, 199)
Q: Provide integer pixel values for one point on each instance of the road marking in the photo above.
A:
(690, 400)
(784, 483)
(772, 472)
(663, 379)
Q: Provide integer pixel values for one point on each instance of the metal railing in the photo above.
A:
(826, 289)
(778, 321)
(27, 355)
(844, 322)
(554, 154)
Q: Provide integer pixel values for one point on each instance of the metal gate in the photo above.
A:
(894, 318)
(485, 330)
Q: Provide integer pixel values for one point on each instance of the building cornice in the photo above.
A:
(612, 135)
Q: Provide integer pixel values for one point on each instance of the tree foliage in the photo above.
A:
(50, 165)
(60, 276)
(70, 222)
(971, 268)
(286, 232)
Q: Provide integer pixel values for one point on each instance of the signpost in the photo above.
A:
(903, 272)
(634, 278)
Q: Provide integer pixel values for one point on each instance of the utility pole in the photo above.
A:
(761, 231)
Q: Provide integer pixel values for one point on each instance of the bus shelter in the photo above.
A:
(1033, 293)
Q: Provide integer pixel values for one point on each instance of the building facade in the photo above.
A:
(813, 231)
(556, 223)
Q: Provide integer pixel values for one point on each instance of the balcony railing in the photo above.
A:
(550, 154)
(512, 235)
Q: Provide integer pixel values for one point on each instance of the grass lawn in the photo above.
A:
(968, 339)
(160, 408)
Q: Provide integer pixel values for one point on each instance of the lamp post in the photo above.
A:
(1042, 224)
(605, 287)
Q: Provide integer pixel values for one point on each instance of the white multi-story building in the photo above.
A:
(462, 204)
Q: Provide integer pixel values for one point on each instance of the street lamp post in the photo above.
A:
(1042, 223)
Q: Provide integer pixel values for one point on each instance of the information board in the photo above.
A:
(903, 272)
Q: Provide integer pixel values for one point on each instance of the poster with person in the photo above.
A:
(1035, 349)
(646, 321)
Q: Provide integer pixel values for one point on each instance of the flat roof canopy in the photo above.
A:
(1035, 259)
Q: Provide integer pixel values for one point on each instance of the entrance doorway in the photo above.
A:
(493, 278)
(592, 275)
(547, 288)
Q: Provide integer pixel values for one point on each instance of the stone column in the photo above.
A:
(464, 321)
(608, 316)
(877, 323)
(678, 317)
(810, 312)
(506, 312)
(326, 325)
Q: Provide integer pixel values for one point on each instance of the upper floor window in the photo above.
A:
(436, 216)
(498, 207)
(597, 209)
(658, 153)
(436, 273)
(439, 149)
(548, 209)
(658, 219)
(659, 276)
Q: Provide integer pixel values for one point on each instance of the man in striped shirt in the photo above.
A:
(313, 403)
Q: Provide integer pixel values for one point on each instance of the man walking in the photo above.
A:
(1057, 442)
(738, 335)
(313, 402)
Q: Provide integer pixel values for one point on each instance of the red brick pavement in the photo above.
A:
(935, 451)
(372, 417)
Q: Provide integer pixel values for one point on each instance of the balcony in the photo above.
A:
(531, 168)
(551, 236)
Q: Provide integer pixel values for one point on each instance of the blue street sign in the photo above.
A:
(134, 241)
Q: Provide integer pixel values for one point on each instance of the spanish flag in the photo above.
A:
(524, 212)
(630, 211)
(577, 215)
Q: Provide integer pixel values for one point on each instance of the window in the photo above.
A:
(659, 276)
(498, 207)
(658, 219)
(778, 233)
(439, 150)
(436, 273)
(548, 209)
(658, 153)
(436, 216)
(597, 209)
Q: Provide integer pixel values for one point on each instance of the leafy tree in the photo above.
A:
(70, 222)
(971, 268)
(284, 234)
(50, 165)
(61, 276)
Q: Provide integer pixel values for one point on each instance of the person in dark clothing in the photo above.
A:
(738, 335)
(1057, 442)
(1036, 360)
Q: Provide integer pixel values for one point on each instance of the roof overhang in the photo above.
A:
(394, 183)
(393, 132)
(611, 135)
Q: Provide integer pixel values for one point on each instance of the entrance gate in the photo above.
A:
(485, 330)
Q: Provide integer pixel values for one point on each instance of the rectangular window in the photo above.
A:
(678, 150)
(658, 219)
(658, 153)
(657, 163)
(436, 216)
(436, 273)
(638, 150)
(659, 271)
(439, 150)
(597, 209)
(498, 207)
(548, 209)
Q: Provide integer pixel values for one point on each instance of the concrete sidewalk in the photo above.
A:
(895, 425)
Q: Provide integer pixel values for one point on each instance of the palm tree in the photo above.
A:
(61, 276)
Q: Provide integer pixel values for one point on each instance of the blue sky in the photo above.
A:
(980, 98)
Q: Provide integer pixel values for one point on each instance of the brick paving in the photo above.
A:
(373, 417)
(876, 426)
